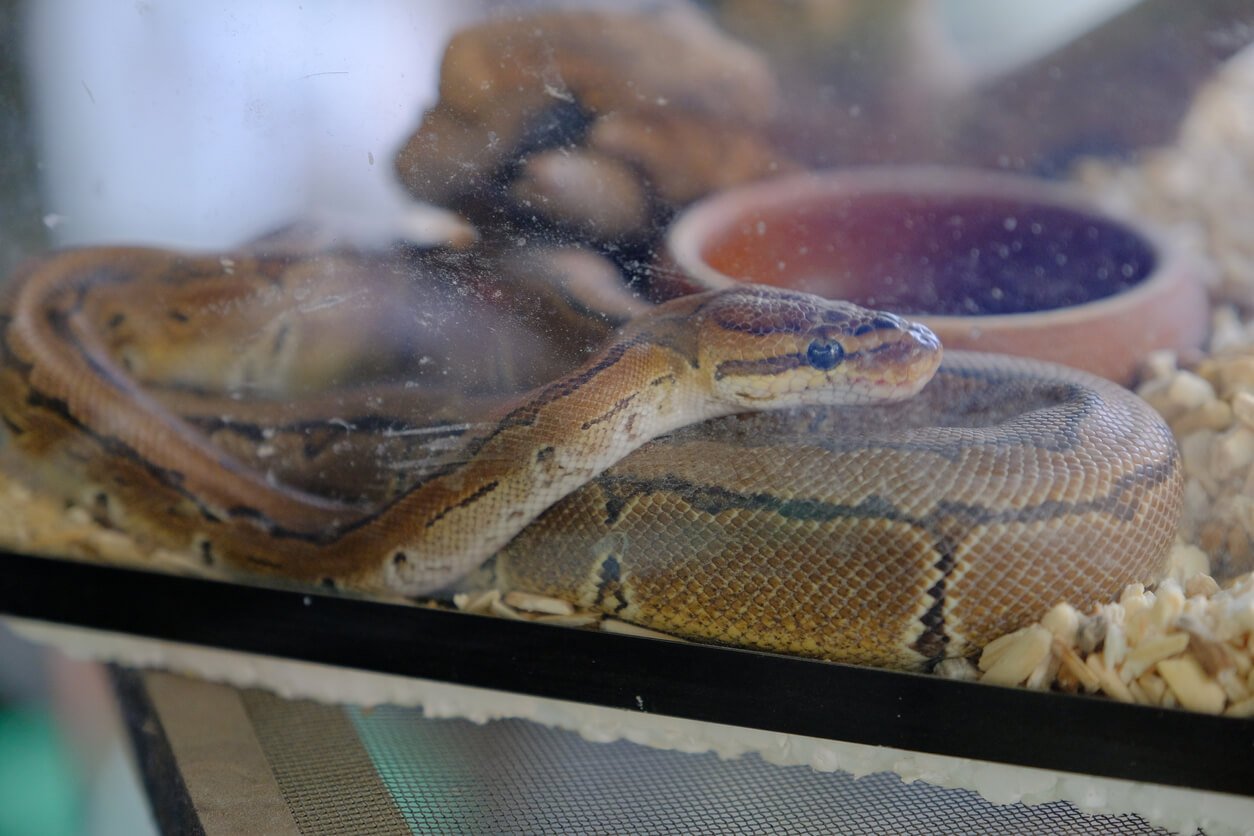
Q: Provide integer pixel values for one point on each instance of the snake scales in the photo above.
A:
(852, 525)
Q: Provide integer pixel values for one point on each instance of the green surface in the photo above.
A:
(39, 792)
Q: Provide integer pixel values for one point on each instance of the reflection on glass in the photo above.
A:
(564, 328)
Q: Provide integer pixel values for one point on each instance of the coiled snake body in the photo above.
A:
(847, 522)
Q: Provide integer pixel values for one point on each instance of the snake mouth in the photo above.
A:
(873, 389)
(898, 367)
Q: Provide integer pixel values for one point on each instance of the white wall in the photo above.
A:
(201, 124)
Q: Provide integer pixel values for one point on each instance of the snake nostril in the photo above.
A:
(924, 335)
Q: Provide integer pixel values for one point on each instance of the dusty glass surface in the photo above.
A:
(630, 318)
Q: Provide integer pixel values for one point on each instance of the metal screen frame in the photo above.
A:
(1085, 735)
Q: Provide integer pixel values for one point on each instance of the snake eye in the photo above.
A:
(825, 355)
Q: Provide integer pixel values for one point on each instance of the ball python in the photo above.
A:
(750, 466)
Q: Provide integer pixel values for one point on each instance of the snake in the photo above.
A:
(750, 466)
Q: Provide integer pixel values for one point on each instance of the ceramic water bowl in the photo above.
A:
(990, 262)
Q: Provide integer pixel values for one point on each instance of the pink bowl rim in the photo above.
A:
(721, 210)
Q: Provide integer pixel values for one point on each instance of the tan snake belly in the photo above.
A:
(892, 534)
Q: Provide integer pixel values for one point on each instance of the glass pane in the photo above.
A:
(909, 335)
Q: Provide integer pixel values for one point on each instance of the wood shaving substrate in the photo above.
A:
(1188, 642)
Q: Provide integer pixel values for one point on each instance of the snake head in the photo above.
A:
(768, 348)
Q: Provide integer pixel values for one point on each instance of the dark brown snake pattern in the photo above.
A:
(844, 523)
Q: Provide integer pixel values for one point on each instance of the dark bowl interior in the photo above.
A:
(933, 254)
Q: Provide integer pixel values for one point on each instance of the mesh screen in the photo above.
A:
(325, 774)
(392, 771)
